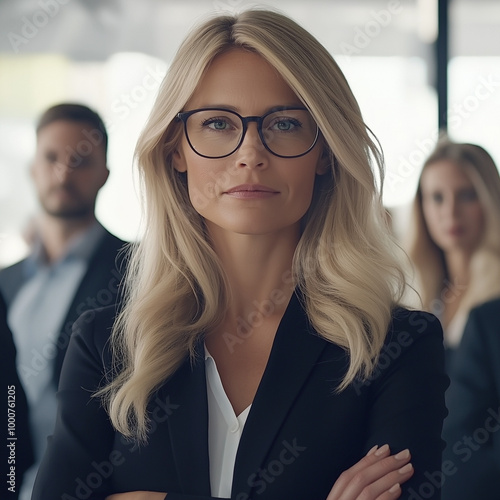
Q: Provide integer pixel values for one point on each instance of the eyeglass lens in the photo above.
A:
(216, 133)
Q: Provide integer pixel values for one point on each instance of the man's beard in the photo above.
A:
(70, 213)
(77, 209)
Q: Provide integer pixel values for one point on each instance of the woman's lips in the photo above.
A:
(456, 231)
(251, 191)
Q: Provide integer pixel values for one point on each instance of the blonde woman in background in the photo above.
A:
(455, 234)
(261, 351)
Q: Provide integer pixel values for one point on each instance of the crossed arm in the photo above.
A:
(377, 476)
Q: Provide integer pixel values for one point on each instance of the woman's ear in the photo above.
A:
(324, 162)
(179, 161)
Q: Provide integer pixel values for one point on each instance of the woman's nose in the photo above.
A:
(452, 207)
(252, 152)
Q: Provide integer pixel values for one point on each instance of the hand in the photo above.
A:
(137, 495)
(377, 476)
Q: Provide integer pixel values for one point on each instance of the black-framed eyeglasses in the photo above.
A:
(286, 132)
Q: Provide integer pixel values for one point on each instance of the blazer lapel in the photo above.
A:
(103, 275)
(295, 351)
(188, 425)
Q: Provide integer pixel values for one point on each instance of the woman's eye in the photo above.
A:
(51, 157)
(437, 198)
(467, 195)
(285, 124)
(217, 124)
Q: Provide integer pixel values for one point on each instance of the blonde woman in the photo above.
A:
(455, 237)
(260, 352)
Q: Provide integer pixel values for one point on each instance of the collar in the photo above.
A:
(81, 247)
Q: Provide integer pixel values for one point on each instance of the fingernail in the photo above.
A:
(372, 450)
(394, 488)
(382, 450)
(402, 455)
(407, 468)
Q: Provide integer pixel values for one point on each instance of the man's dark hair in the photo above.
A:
(74, 113)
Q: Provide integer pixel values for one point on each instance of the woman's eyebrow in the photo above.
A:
(236, 109)
(221, 106)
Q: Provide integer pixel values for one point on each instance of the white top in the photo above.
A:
(224, 432)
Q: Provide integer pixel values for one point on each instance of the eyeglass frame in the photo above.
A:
(245, 120)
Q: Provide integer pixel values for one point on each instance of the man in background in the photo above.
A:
(75, 264)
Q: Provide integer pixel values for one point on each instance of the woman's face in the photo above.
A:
(452, 210)
(250, 191)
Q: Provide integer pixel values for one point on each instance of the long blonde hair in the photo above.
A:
(429, 259)
(344, 262)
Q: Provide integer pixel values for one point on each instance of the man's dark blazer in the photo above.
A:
(472, 428)
(98, 288)
(300, 433)
(16, 439)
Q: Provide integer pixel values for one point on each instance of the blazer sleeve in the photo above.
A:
(79, 456)
(407, 399)
(80, 459)
(471, 429)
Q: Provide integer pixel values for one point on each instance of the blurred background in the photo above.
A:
(112, 55)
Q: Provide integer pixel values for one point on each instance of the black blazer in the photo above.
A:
(299, 436)
(16, 440)
(98, 288)
(472, 428)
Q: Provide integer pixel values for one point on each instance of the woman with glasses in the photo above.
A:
(260, 352)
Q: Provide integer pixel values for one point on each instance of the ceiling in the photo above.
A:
(95, 29)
